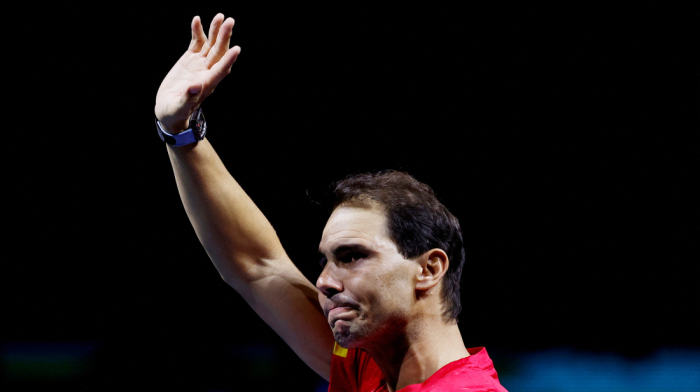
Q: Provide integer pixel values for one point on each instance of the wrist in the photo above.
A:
(175, 128)
(177, 135)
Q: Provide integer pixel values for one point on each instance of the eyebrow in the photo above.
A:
(344, 249)
(350, 248)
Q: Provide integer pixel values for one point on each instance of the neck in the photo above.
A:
(427, 346)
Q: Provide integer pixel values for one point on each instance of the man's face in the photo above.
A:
(367, 287)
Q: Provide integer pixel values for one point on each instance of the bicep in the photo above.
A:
(288, 302)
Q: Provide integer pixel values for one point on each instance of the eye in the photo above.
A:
(322, 261)
(351, 256)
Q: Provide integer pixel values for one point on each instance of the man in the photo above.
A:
(392, 255)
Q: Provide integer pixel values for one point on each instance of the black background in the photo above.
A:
(563, 138)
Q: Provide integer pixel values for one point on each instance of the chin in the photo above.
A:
(349, 336)
(352, 335)
(347, 341)
(364, 335)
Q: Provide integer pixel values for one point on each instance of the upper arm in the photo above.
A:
(288, 302)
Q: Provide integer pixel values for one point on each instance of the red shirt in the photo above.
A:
(353, 370)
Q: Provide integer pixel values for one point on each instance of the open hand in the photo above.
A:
(195, 75)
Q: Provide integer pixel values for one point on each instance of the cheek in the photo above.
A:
(394, 290)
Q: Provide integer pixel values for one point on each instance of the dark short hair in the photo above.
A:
(417, 222)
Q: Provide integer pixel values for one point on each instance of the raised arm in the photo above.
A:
(236, 235)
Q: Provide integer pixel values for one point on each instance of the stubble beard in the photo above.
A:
(350, 334)
(367, 335)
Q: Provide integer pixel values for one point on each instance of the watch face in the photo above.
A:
(198, 124)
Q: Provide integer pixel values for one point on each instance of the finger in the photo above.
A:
(214, 28)
(198, 37)
(193, 93)
(221, 45)
(223, 67)
(188, 99)
(195, 89)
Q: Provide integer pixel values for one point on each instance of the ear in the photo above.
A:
(434, 264)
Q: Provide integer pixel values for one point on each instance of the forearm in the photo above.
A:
(238, 238)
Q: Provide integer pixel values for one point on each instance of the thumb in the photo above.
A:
(194, 92)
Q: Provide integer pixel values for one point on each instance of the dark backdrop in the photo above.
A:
(562, 138)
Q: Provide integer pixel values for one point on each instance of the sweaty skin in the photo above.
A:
(370, 277)
(376, 299)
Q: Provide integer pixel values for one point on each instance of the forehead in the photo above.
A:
(367, 226)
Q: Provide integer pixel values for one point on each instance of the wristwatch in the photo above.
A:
(197, 130)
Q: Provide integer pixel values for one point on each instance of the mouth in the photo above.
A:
(340, 313)
(339, 307)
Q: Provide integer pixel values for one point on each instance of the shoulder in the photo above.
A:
(473, 373)
(467, 378)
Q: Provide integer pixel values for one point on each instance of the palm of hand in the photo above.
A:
(195, 75)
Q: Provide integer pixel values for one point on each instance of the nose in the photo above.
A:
(327, 282)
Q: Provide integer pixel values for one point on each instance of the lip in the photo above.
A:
(339, 307)
(338, 311)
